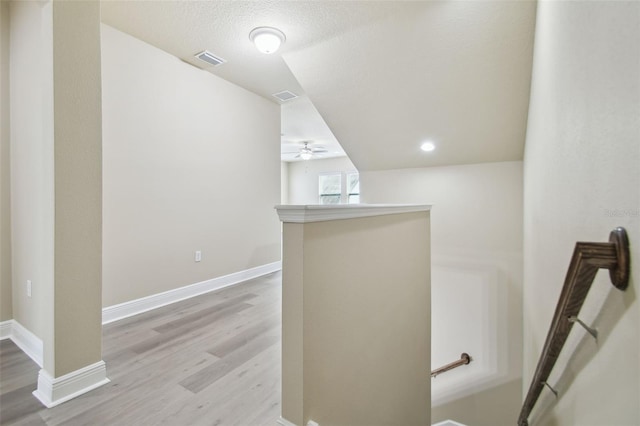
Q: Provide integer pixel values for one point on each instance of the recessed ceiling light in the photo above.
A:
(428, 146)
(267, 39)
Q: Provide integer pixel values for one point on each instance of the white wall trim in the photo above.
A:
(284, 422)
(5, 329)
(321, 213)
(138, 306)
(448, 423)
(28, 342)
(54, 391)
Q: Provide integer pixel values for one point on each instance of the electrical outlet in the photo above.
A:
(28, 288)
(198, 256)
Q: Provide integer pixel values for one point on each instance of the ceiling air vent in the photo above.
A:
(210, 58)
(285, 95)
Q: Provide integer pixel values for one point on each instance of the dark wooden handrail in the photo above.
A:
(464, 360)
(587, 259)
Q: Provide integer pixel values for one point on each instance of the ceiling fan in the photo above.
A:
(306, 152)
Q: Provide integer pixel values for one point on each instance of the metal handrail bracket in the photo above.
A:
(464, 360)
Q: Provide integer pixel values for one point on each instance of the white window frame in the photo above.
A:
(346, 187)
(320, 194)
(344, 190)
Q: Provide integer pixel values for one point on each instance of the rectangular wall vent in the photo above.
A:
(285, 95)
(210, 58)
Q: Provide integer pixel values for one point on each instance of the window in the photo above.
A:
(339, 188)
(330, 188)
(353, 188)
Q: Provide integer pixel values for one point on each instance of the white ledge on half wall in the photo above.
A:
(322, 213)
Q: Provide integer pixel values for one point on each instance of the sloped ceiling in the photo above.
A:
(299, 121)
(186, 27)
(454, 72)
(384, 75)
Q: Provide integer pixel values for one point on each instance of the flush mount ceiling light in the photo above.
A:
(428, 146)
(267, 39)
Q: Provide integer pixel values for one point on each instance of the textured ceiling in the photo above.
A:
(184, 28)
(457, 73)
(384, 75)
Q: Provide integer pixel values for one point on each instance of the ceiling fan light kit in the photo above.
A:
(307, 153)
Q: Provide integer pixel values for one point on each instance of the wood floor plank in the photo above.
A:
(215, 311)
(150, 356)
(155, 387)
(199, 339)
(17, 369)
(28, 420)
(219, 404)
(17, 404)
(205, 377)
(242, 338)
(168, 337)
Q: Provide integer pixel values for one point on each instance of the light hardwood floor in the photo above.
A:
(210, 360)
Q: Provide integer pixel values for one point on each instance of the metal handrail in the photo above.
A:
(587, 259)
(464, 360)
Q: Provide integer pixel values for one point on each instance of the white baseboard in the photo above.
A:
(284, 422)
(27, 341)
(5, 329)
(50, 391)
(24, 339)
(54, 391)
(138, 306)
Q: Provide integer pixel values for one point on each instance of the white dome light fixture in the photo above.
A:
(267, 39)
(428, 146)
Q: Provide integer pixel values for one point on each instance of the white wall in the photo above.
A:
(77, 123)
(476, 224)
(284, 182)
(32, 171)
(303, 177)
(356, 320)
(55, 157)
(6, 312)
(191, 162)
(582, 179)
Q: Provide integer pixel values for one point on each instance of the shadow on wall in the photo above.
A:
(581, 347)
(475, 309)
(469, 313)
(263, 255)
(471, 410)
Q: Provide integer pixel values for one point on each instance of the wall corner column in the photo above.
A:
(356, 314)
(73, 353)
